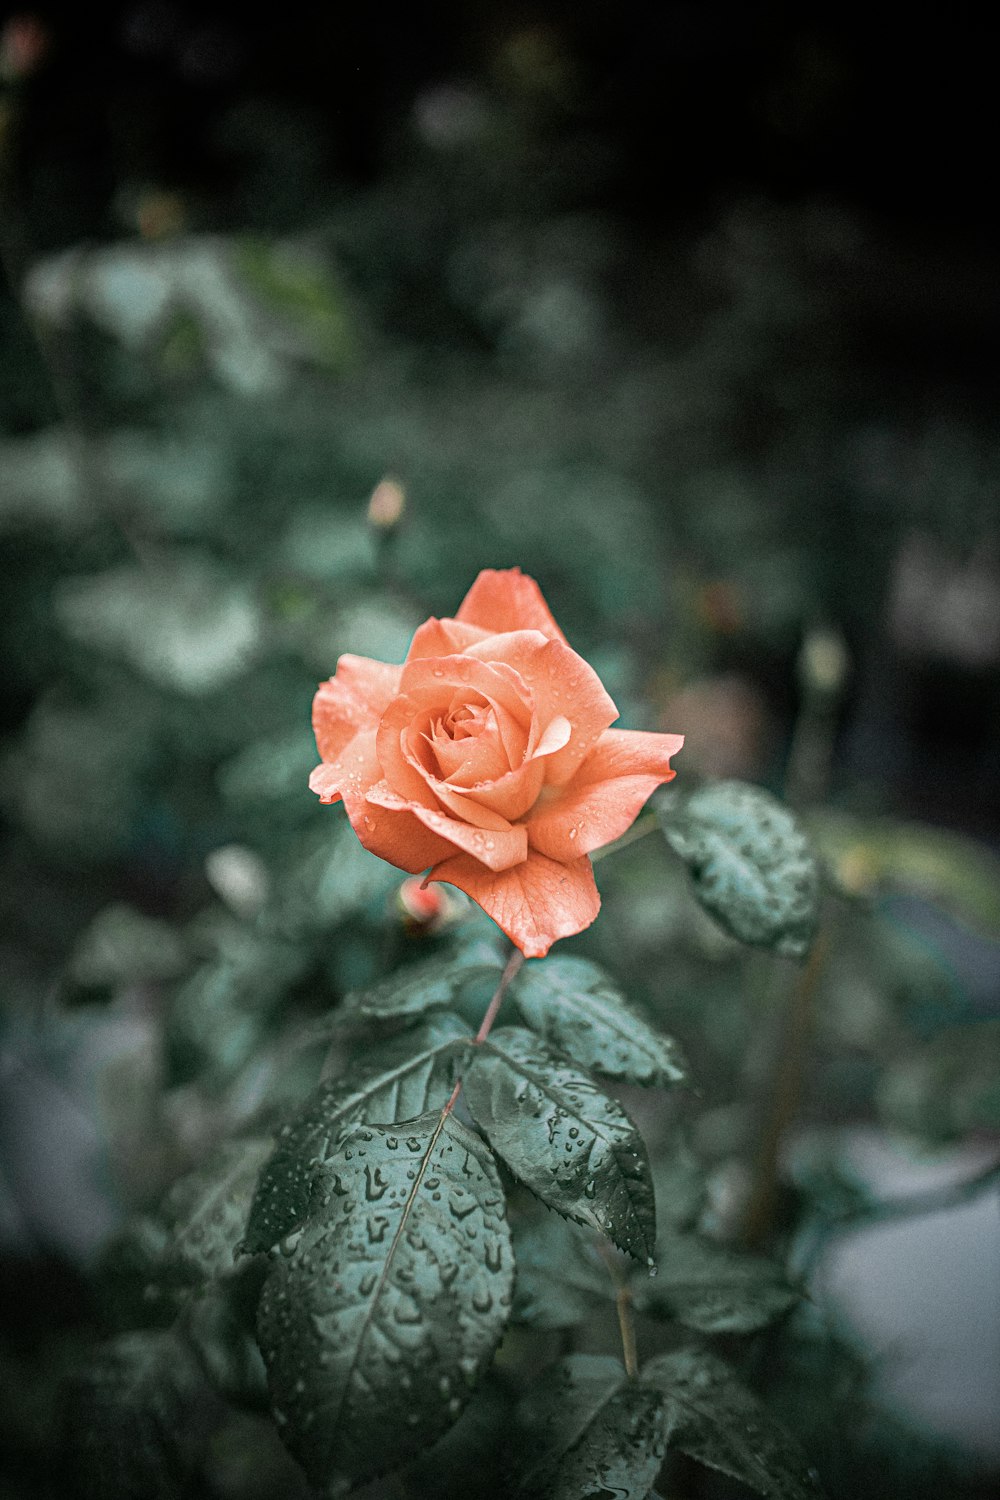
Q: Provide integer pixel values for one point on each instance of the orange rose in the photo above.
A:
(487, 760)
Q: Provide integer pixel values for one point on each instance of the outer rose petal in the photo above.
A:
(563, 685)
(355, 699)
(396, 836)
(498, 849)
(443, 638)
(352, 771)
(535, 903)
(606, 794)
(508, 600)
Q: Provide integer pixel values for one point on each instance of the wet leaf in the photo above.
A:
(389, 1308)
(590, 1432)
(206, 1211)
(577, 1007)
(713, 1289)
(398, 1079)
(562, 1136)
(715, 1419)
(751, 863)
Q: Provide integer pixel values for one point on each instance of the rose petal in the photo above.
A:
(395, 835)
(563, 685)
(352, 700)
(509, 797)
(429, 686)
(553, 738)
(443, 638)
(535, 903)
(352, 771)
(606, 794)
(496, 848)
(500, 601)
(461, 762)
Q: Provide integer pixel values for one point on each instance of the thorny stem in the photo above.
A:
(623, 1307)
(511, 967)
(784, 1090)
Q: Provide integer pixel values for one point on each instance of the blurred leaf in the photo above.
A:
(751, 864)
(329, 878)
(137, 1420)
(219, 1326)
(123, 946)
(272, 773)
(713, 1289)
(563, 1137)
(432, 984)
(220, 1013)
(714, 1418)
(588, 1430)
(577, 1007)
(302, 290)
(206, 1211)
(184, 623)
(947, 1087)
(957, 873)
(324, 544)
(389, 1308)
(556, 1282)
(679, 1183)
(391, 1080)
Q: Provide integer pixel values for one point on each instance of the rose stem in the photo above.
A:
(510, 969)
(784, 1089)
(623, 1307)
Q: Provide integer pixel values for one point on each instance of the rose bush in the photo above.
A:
(488, 760)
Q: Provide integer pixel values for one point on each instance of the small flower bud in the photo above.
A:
(386, 506)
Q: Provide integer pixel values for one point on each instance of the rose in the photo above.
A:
(487, 759)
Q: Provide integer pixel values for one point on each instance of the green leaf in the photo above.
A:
(182, 621)
(563, 1137)
(137, 1419)
(433, 984)
(598, 1433)
(219, 1326)
(955, 872)
(578, 1008)
(712, 1289)
(557, 1281)
(122, 946)
(715, 1419)
(397, 1079)
(379, 1323)
(946, 1087)
(206, 1211)
(751, 863)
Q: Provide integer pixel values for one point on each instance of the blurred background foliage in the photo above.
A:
(685, 310)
